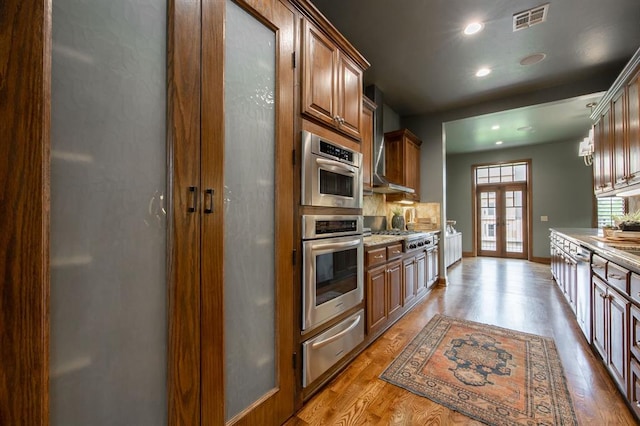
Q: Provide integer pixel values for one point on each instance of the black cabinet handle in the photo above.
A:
(194, 199)
(208, 201)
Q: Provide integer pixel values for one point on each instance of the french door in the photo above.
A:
(502, 222)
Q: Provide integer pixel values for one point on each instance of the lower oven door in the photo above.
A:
(332, 278)
(322, 352)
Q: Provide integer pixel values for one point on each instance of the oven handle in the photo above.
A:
(332, 246)
(335, 337)
(337, 165)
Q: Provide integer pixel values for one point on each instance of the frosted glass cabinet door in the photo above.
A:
(247, 278)
(249, 91)
(108, 246)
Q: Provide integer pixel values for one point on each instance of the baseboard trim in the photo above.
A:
(545, 260)
(468, 254)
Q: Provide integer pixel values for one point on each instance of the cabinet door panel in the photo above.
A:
(412, 171)
(366, 146)
(606, 169)
(349, 96)
(409, 279)
(319, 90)
(618, 142)
(599, 321)
(618, 352)
(597, 157)
(421, 272)
(634, 331)
(394, 284)
(634, 386)
(633, 103)
(376, 298)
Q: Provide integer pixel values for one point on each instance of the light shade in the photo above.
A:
(473, 28)
(483, 72)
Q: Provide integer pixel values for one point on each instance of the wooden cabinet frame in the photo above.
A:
(616, 160)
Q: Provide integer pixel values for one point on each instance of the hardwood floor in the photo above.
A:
(514, 294)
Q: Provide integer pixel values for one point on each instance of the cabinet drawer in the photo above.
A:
(634, 290)
(376, 256)
(599, 266)
(634, 331)
(322, 352)
(618, 277)
(394, 251)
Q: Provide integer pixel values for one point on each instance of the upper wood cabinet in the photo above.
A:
(402, 161)
(633, 128)
(332, 83)
(620, 150)
(602, 144)
(366, 146)
(616, 162)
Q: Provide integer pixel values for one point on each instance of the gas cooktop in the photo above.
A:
(396, 232)
(412, 240)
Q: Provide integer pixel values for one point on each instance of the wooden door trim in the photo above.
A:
(474, 206)
(183, 227)
(25, 34)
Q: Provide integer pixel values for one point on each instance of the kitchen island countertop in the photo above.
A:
(592, 239)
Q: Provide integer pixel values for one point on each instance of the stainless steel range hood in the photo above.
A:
(380, 184)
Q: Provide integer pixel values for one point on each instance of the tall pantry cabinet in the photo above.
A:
(244, 209)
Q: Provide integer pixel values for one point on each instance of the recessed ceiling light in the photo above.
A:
(591, 105)
(499, 143)
(482, 72)
(532, 59)
(495, 127)
(473, 28)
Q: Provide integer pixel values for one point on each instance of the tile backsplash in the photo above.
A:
(376, 205)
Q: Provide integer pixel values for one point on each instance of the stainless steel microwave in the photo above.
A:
(331, 173)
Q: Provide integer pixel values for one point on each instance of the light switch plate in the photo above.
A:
(544, 218)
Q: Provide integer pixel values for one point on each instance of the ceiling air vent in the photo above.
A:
(530, 17)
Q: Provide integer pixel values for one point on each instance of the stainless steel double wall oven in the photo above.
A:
(333, 254)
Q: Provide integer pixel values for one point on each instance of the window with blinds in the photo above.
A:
(608, 208)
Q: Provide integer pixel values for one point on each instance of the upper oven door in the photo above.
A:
(332, 278)
(331, 174)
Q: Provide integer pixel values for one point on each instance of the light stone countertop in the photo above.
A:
(586, 237)
(377, 240)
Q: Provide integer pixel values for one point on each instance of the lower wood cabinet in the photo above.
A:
(384, 294)
(634, 386)
(599, 298)
(610, 322)
(394, 282)
(453, 249)
(432, 266)
(421, 273)
(409, 279)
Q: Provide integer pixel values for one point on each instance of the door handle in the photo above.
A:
(335, 337)
(193, 190)
(208, 201)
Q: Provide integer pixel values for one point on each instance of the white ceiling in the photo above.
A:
(424, 64)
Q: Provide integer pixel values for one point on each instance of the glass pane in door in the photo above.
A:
(108, 311)
(249, 237)
(514, 221)
(488, 221)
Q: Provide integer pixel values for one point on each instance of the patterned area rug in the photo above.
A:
(488, 373)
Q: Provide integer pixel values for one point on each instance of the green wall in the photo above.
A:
(561, 185)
